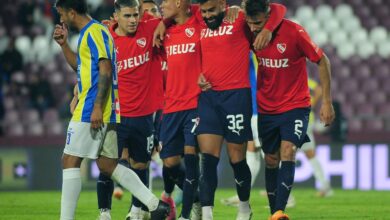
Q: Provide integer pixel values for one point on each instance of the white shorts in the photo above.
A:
(255, 132)
(85, 142)
(309, 145)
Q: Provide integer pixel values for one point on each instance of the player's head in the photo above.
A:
(150, 7)
(70, 10)
(213, 12)
(127, 15)
(257, 12)
(172, 8)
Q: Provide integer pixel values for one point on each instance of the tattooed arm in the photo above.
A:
(104, 86)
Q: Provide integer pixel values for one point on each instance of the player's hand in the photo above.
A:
(232, 13)
(327, 114)
(203, 83)
(97, 117)
(262, 39)
(158, 35)
(60, 34)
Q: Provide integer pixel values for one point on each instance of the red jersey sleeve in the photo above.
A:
(277, 14)
(307, 46)
(195, 10)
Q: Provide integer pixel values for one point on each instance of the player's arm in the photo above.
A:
(74, 101)
(317, 95)
(60, 35)
(327, 114)
(104, 85)
(276, 15)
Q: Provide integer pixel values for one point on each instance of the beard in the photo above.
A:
(213, 25)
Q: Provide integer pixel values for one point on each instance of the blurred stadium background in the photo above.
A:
(36, 88)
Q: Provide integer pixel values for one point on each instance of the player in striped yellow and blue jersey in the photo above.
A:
(95, 43)
(92, 130)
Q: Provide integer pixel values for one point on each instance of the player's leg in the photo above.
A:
(253, 156)
(140, 149)
(172, 139)
(235, 112)
(309, 150)
(268, 128)
(210, 138)
(104, 189)
(157, 119)
(118, 189)
(108, 165)
(71, 185)
(293, 135)
(105, 186)
(191, 162)
(81, 142)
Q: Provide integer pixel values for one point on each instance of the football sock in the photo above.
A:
(104, 188)
(242, 177)
(169, 185)
(208, 179)
(143, 176)
(176, 174)
(271, 183)
(130, 181)
(190, 184)
(71, 188)
(285, 183)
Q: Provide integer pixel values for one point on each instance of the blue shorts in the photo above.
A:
(136, 134)
(177, 131)
(157, 118)
(227, 113)
(288, 126)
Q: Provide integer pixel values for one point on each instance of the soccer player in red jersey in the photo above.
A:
(135, 54)
(180, 118)
(284, 101)
(225, 103)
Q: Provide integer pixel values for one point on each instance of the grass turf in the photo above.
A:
(364, 205)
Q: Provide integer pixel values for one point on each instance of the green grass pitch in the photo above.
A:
(364, 205)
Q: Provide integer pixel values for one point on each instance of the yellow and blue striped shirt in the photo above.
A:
(95, 43)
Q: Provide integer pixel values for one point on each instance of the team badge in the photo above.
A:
(141, 42)
(281, 47)
(190, 32)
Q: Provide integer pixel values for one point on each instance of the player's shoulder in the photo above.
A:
(287, 23)
(96, 26)
(290, 28)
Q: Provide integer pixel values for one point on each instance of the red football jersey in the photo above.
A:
(159, 71)
(225, 50)
(134, 65)
(225, 55)
(282, 77)
(182, 48)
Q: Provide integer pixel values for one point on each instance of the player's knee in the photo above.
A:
(271, 161)
(139, 165)
(190, 150)
(171, 161)
(69, 161)
(106, 165)
(287, 151)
